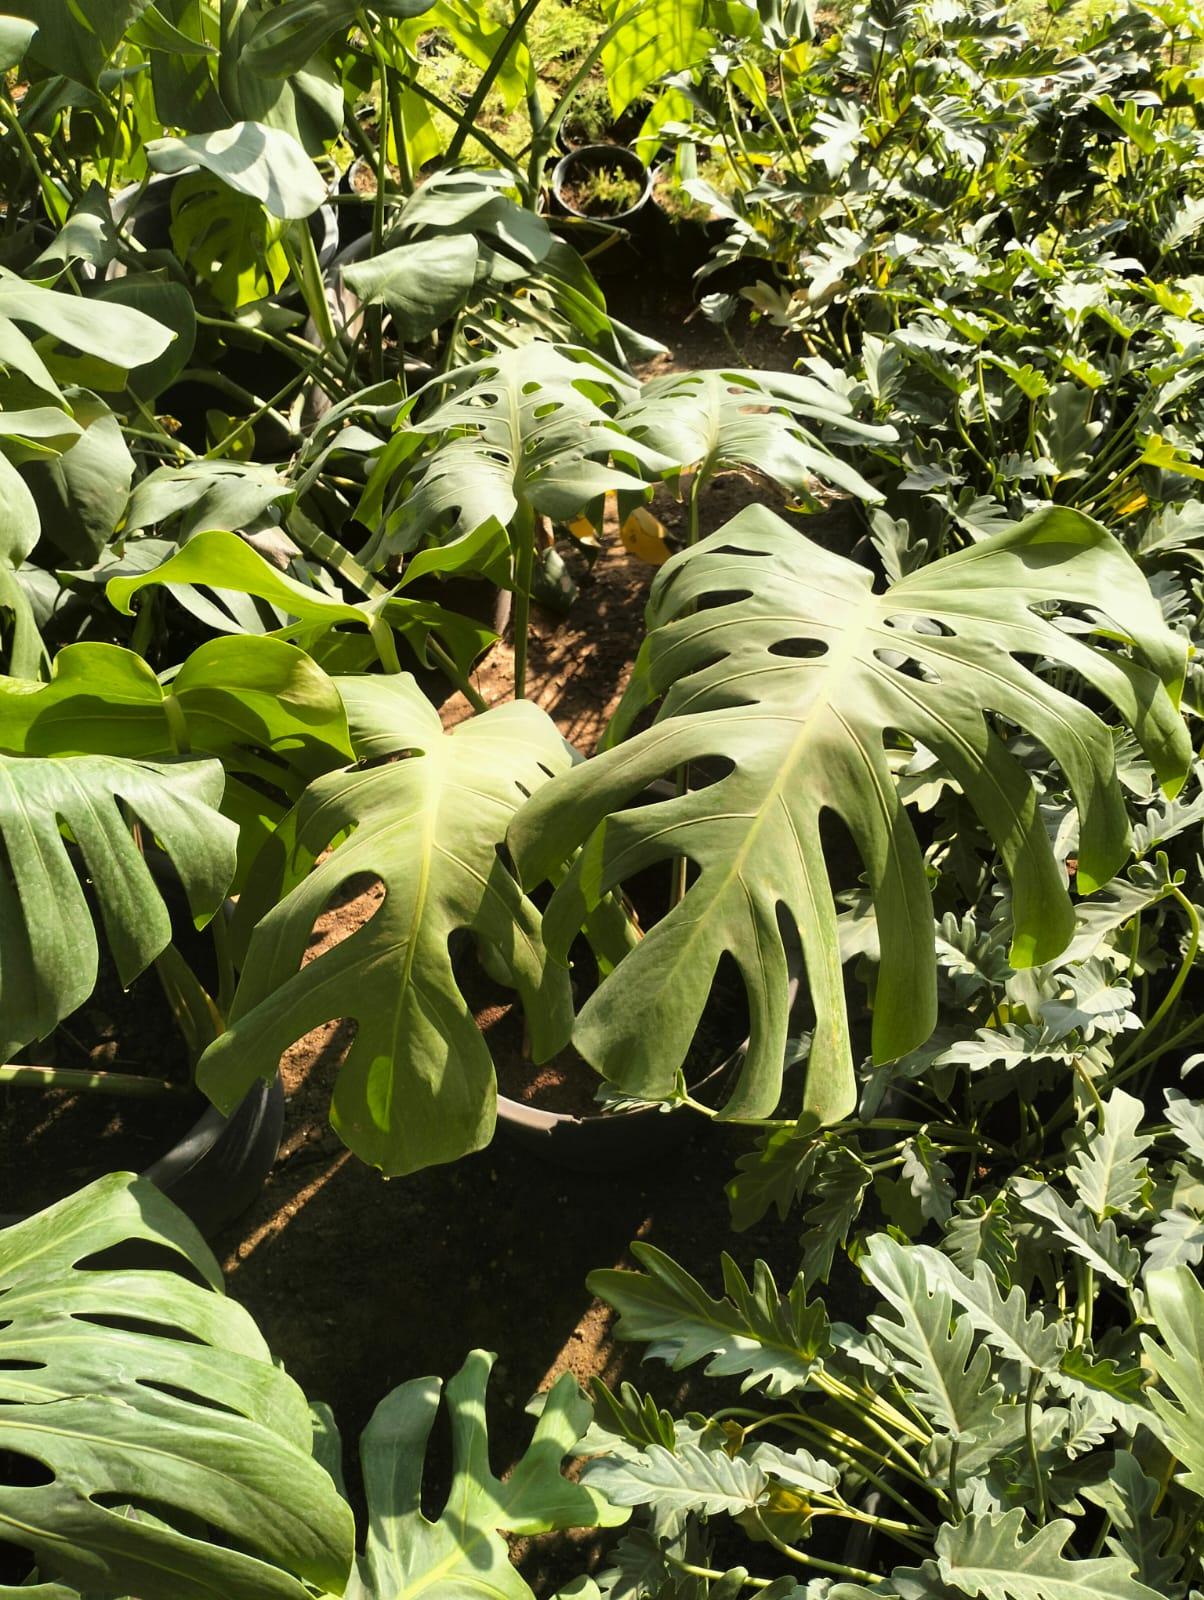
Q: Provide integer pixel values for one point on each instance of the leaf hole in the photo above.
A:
(799, 649)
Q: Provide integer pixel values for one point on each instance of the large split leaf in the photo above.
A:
(777, 661)
(462, 1555)
(260, 706)
(712, 420)
(417, 1086)
(141, 1390)
(526, 430)
(48, 950)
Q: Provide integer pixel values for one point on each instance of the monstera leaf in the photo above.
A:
(267, 164)
(525, 431)
(260, 706)
(779, 662)
(48, 952)
(712, 420)
(226, 564)
(417, 1086)
(462, 1555)
(153, 1405)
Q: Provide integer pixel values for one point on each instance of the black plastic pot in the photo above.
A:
(578, 164)
(215, 1171)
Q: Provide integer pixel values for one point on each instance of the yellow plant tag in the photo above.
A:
(583, 530)
(644, 537)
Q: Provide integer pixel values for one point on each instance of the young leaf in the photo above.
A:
(1099, 1244)
(462, 1554)
(1176, 1239)
(775, 1173)
(685, 1479)
(775, 1341)
(1108, 1172)
(839, 1186)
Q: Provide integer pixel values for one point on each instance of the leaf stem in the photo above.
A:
(124, 1085)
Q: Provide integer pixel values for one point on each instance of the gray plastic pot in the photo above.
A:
(588, 158)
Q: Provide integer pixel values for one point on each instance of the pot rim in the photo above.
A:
(619, 154)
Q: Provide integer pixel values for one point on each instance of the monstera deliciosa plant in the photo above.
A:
(153, 1448)
(778, 661)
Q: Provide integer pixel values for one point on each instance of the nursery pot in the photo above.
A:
(579, 165)
(214, 1170)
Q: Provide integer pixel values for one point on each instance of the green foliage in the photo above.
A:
(822, 675)
(426, 812)
(184, 1462)
(155, 1405)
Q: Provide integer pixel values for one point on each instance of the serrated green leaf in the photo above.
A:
(774, 1174)
(1099, 1244)
(1186, 1117)
(775, 1341)
(1176, 1239)
(1129, 1497)
(1108, 1171)
(839, 1185)
(1177, 1304)
(1004, 1322)
(991, 1557)
(951, 1382)
(689, 1478)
